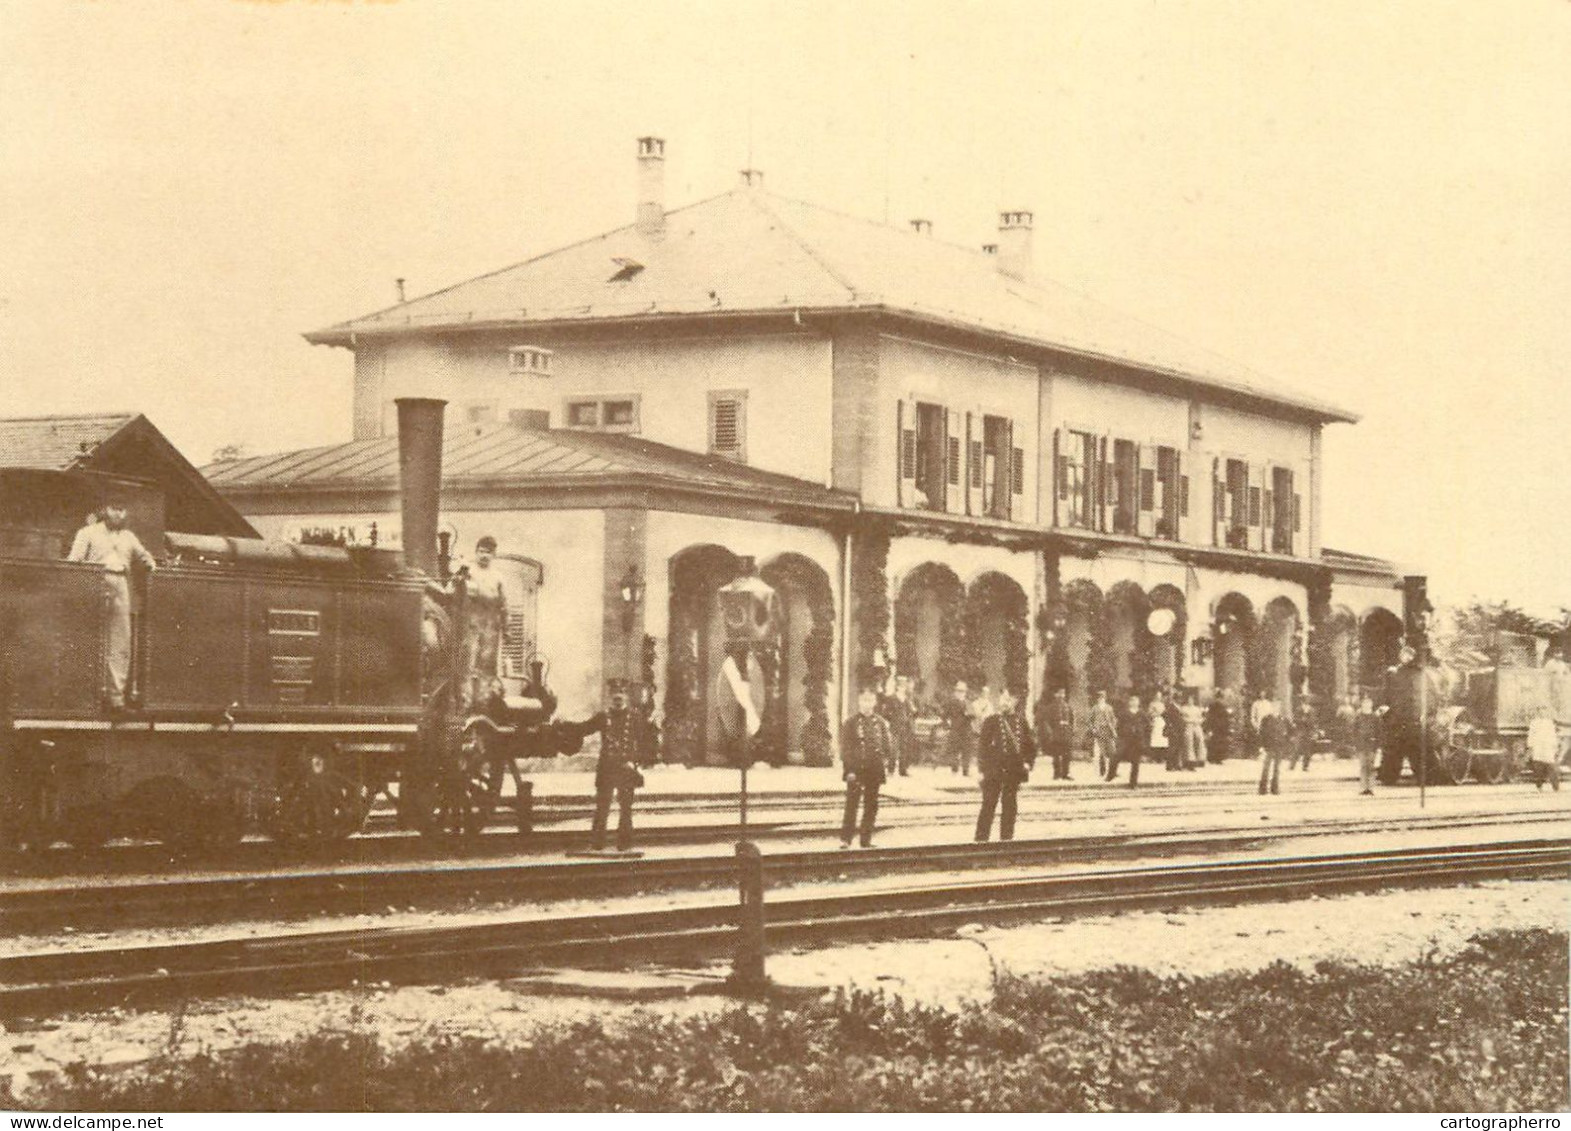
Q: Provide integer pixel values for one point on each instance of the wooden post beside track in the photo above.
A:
(747, 968)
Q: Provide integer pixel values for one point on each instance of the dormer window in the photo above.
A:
(529, 361)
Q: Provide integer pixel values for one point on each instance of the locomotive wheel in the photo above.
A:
(469, 791)
(87, 827)
(317, 804)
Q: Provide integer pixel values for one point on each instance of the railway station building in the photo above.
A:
(949, 467)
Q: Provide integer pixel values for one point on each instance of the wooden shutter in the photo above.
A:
(905, 451)
(1219, 501)
(1300, 519)
(1060, 478)
(1256, 505)
(954, 461)
(1268, 507)
(728, 425)
(1017, 476)
(1181, 523)
(1145, 490)
(974, 466)
(1108, 495)
(1004, 492)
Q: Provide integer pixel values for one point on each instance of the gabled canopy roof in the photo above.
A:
(750, 252)
(506, 456)
(123, 444)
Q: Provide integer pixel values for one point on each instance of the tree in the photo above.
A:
(1485, 633)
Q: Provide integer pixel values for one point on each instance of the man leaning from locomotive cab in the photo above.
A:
(487, 617)
(107, 543)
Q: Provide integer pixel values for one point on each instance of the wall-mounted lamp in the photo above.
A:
(1200, 650)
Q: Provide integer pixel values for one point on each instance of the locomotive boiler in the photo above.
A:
(273, 687)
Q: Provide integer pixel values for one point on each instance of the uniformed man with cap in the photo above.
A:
(622, 744)
(107, 543)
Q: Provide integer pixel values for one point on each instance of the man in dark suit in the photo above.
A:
(959, 717)
(866, 745)
(1134, 731)
(1005, 753)
(1056, 728)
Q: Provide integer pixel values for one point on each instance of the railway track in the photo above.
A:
(41, 983)
(289, 894)
(443, 883)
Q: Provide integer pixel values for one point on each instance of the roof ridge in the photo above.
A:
(126, 416)
(756, 199)
(559, 250)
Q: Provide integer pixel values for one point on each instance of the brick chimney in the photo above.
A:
(922, 227)
(650, 222)
(1014, 244)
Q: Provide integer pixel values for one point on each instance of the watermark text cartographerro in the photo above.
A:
(1500, 1122)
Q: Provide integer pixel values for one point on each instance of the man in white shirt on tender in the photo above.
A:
(108, 544)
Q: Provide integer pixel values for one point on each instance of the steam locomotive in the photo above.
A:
(274, 687)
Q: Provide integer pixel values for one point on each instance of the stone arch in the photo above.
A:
(929, 636)
(1167, 651)
(695, 650)
(799, 724)
(997, 628)
(1338, 676)
(1275, 655)
(1232, 628)
(1123, 634)
(1379, 647)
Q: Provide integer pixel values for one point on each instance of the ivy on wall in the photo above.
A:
(869, 598)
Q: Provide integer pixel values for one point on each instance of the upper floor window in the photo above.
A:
(529, 361)
(957, 462)
(1077, 459)
(1171, 504)
(728, 424)
(606, 414)
(1124, 478)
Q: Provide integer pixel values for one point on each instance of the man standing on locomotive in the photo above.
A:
(109, 544)
(486, 600)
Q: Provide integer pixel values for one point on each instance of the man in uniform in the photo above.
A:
(1004, 756)
(960, 745)
(616, 772)
(1056, 726)
(107, 543)
(901, 717)
(865, 749)
(486, 601)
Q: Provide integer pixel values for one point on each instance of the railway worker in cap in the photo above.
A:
(1104, 734)
(486, 598)
(1274, 735)
(1055, 726)
(865, 749)
(899, 713)
(1005, 754)
(108, 544)
(622, 745)
(1412, 694)
(1219, 725)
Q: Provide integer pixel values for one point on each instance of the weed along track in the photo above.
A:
(39, 983)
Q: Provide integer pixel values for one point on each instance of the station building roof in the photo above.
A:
(749, 252)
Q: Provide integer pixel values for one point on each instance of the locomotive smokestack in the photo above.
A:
(420, 478)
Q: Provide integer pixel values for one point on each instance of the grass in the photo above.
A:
(1482, 1031)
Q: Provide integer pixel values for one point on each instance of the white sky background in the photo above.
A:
(1370, 202)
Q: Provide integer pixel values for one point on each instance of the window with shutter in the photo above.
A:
(1017, 471)
(728, 424)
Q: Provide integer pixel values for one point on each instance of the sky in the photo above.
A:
(1368, 202)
